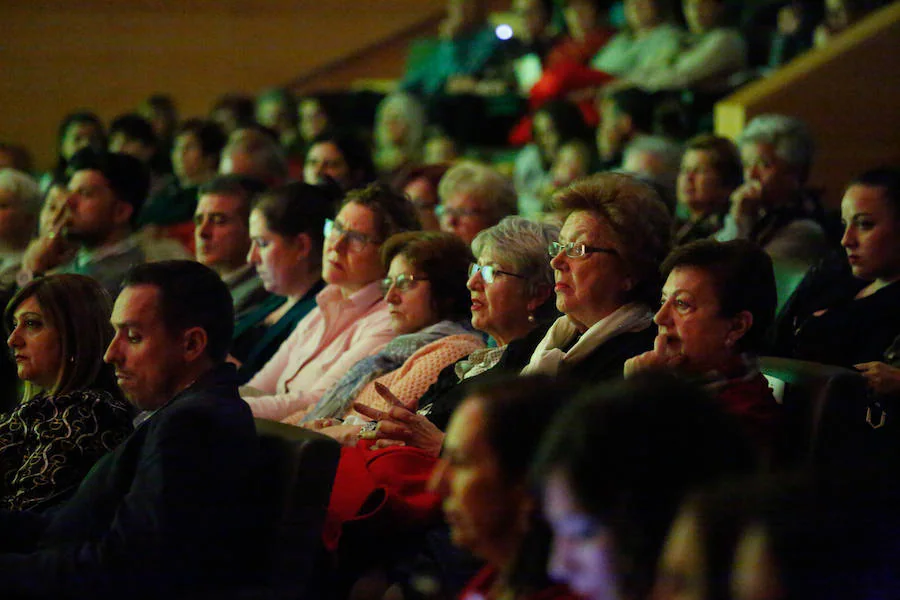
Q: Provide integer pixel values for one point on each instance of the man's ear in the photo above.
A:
(122, 212)
(194, 342)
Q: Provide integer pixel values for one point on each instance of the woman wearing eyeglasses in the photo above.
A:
(351, 319)
(425, 289)
(606, 265)
(511, 287)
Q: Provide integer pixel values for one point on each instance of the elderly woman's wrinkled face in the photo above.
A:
(777, 179)
(682, 564)
(582, 552)
(691, 324)
(408, 293)
(700, 186)
(871, 233)
(501, 308)
(35, 344)
(481, 510)
(351, 253)
(590, 287)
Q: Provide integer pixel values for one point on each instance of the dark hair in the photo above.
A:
(79, 308)
(211, 137)
(444, 259)
(356, 154)
(298, 208)
(243, 108)
(190, 295)
(393, 211)
(134, 127)
(568, 120)
(431, 173)
(128, 178)
(630, 451)
(886, 178)
(76, 118)
(742, 276)
(726, 159)
(517, 412)
(242, 187)
(637, 104)
(637, 217)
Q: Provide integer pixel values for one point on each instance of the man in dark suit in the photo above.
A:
(168, 512)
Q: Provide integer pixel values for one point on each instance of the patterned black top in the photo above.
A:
(49, 443)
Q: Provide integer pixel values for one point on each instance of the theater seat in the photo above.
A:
(825, 410)
(296, 474)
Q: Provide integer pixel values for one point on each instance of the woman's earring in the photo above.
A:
(530, 318)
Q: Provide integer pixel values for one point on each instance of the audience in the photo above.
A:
(351, 319)
(473, 197)
(161, 112)
(147, 521)
(614, 467)
(232, 112)
(710, 171)
(76, 131)
(657, 160)
(626, 115)
(425, 288)
(222, 236)
(314, 119)
(399, 133)
(649, 40)
(339, 159)
(286, 238)
(276, 109)
(606, 266)
(420, 184)
(254, 152)
(72, 412)
(106, 192)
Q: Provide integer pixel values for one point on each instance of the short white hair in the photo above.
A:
(789, 137)
(482, 182)
(24, 188)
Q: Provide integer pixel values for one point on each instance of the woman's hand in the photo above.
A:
(401, 426)
(661, 357)
(882, 379)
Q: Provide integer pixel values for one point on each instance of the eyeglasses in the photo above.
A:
(442, 211)
(356, 240)
(574, 250)
(488, 272)
(402, 282)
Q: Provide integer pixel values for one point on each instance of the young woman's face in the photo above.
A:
(871, 233)
(280, 261)
(35, 345)
(582, 551)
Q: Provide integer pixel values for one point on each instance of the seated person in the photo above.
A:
(223, 238)
(606, 265)
(106, 192)
(711, 54)
(473, 197)
(351, 320)
(717, 304)
(482, 481)
(340, 159)
(853, 321)
(650, 40)
(147, 520)
(420, 184)
(195, 161)
(76, 131)
(314, 119)
(133, 135)
(232, 112)
(426, 290)
(710, 171)
(656, 159)
(399, 133)
(626, 115)
(20, 199)
(254, 152)
(72, 412)
(771, 208)
(465, 48)
(276, 109)
(286, 238)
(511, 287)
(554, 124)
(614, 466)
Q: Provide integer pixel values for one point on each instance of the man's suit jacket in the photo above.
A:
(169, 510)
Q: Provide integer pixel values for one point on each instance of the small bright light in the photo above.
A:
(504, 32)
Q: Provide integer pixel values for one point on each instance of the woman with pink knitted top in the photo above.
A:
(429, 307)
(351, 320)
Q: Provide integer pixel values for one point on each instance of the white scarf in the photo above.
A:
(548, 358)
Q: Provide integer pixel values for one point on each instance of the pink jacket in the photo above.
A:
(327, 342)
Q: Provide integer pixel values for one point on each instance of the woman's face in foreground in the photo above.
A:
(582, 552)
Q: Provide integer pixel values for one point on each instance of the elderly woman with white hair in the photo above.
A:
(399, 133)
(20, 204)
(474, 197)
(772, 208)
